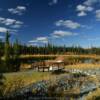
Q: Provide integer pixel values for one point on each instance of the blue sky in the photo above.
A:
(61, 22)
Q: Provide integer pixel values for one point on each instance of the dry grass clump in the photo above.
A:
(13, 85)
(94, 95)
(56, 55)
(83, 66)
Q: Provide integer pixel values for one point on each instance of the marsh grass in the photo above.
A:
(83, 66)
(28, 76)
(18, 80)
(94, 95)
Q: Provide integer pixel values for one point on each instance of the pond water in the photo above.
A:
(88, 61)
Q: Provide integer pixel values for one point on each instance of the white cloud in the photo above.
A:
(32, 44)
(89, 8)
(83, 9)
(42, 39)
(32, 41)
(11, 22)
(68, 23)
(53, 2)
(16, 26)
(39, 39)
(3, 29)
(2, 19)
(86, 7)
(82, 13)
(60, 33)
(19, 10)
(98, 14)
(91, 2)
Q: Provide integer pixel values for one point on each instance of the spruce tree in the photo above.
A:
(7, 53)
(16, 54)
(0, 59)
(1, 53)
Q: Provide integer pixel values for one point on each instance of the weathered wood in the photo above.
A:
(45, 65)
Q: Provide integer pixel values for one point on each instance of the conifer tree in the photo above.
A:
(7, 53)
(16, 54)
(1, 53)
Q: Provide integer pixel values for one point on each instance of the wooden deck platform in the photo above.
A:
(48, 65)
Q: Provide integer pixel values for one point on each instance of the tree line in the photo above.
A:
(10, 53)
(52, 49)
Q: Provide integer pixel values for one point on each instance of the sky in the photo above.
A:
(60, 22)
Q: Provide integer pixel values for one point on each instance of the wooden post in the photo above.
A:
(38, 68)
(43, 68)
(48, 69)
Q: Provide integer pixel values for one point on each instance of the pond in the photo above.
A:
(88, 61)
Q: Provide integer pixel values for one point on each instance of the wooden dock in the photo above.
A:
(48, 65)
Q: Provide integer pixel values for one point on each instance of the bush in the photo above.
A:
(78, 74)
